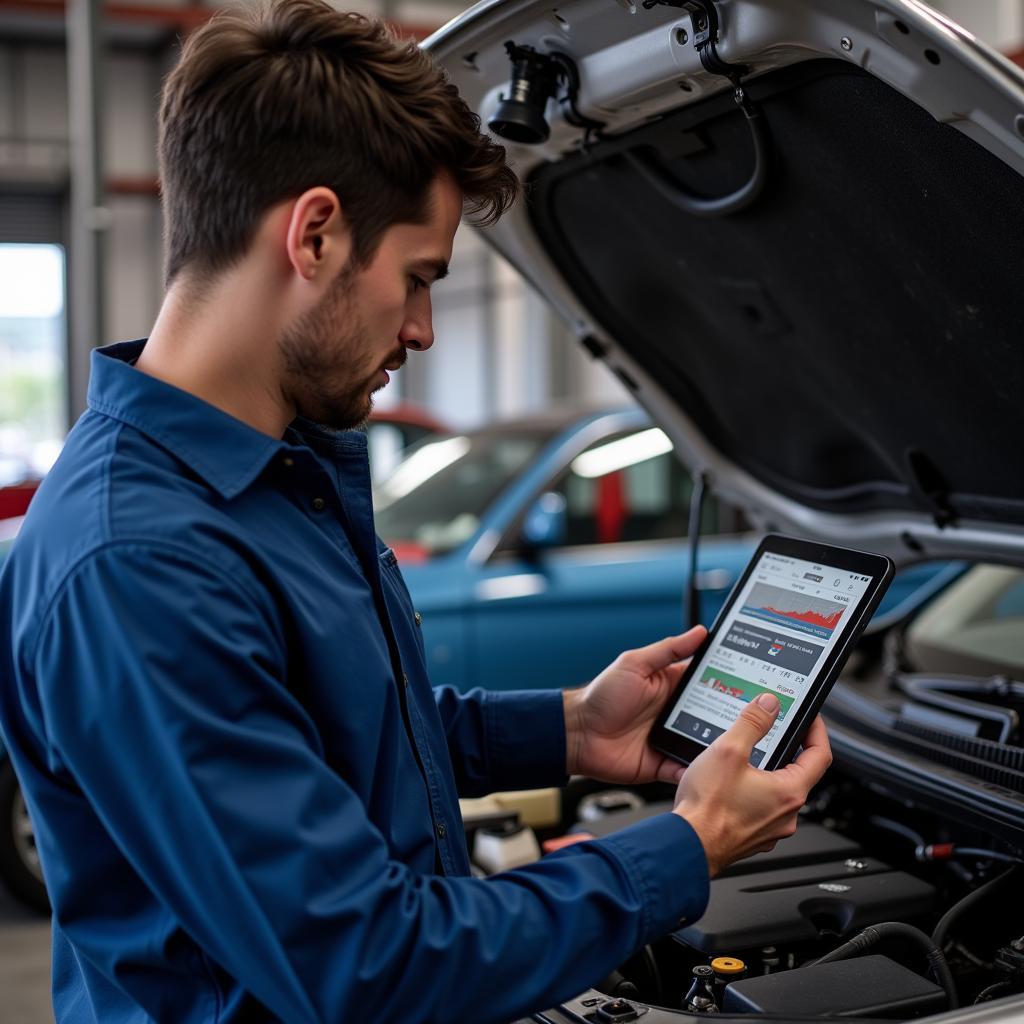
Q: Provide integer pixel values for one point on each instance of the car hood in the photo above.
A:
(843, 356)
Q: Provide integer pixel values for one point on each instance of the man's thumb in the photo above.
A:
(756, 719)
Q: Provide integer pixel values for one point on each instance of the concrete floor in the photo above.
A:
(24, 964)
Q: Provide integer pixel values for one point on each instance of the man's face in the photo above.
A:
(339, 353)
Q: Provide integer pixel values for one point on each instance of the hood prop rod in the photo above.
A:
(704, 16)
(696, 514)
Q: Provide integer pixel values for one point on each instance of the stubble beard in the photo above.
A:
(325, 375)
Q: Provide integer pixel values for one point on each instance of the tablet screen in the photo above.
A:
(776, 635)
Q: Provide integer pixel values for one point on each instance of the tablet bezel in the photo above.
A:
(881, 570)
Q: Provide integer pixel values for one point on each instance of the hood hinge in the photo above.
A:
(705, 37)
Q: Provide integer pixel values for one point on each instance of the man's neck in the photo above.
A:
(222, 348)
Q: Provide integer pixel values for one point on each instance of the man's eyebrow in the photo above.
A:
(438, 268)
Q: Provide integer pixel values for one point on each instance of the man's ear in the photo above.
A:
(318, 240)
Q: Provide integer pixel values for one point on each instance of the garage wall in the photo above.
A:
(495, 354)
(998, 22)
(34, 155)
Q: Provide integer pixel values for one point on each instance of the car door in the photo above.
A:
(555, 616)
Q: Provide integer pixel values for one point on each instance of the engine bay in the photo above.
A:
(871, 910)
(901, 894)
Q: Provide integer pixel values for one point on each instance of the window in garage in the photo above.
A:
(33, 385)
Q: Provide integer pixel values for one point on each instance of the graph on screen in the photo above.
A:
(813, 615)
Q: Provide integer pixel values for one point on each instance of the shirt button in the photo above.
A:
(288, 462)
(418, 618)
(442, 830)
(319, 504)
(405, 679)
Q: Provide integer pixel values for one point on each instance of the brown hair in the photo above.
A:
(266, 104)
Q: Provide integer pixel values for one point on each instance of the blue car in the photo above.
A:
(537, 550)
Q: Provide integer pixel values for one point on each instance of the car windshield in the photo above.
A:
(976, 627)
(437, 495)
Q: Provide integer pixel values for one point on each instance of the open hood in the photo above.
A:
(842, 353)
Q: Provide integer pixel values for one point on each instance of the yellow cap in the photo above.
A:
(728, 965)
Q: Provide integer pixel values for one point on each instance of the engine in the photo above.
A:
(871, 910)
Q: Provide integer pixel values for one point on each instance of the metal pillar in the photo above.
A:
(489, 335)
(90, 217)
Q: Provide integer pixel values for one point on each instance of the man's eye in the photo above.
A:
(418, 283)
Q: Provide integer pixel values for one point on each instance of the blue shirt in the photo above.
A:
(245, 791)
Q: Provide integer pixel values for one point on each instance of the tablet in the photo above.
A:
(787, 628)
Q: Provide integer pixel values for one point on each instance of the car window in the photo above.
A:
(975, 627)
(388, 440)
(1010, 603)
(437, 495)
(631, 487)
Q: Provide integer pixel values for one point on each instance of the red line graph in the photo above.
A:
(813, 618)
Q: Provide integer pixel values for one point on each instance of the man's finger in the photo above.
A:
(658, 656)
(670, 771)
(816, 755)
(676, 669)
(754, 722)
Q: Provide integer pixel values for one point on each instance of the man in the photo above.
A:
(213, 689)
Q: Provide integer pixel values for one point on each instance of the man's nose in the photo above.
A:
(417, 332)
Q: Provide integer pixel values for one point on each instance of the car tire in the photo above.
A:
(19, 861)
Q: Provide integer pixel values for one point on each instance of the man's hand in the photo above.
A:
(608, 721)
(734, 808)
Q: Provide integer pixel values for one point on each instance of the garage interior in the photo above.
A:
(79, 212)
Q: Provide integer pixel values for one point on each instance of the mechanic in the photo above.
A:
(244, 790)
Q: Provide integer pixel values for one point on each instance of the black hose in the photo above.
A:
(859, 944)
(970, 851)
(652, 967)
(993, 991)
(969, 902)
(720, 206)
(898, 827)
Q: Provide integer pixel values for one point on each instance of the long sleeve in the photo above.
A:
(504, 740)
(163, 696)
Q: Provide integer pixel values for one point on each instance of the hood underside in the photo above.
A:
(844, 356)
(850, 339)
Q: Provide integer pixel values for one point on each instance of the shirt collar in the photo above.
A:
(225, 452)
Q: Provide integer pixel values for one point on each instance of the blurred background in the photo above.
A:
(80, 266)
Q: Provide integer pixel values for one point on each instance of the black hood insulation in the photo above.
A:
(855, 339)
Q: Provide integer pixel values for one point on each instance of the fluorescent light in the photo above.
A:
(419, 467)
(500, 588)
(626, 451)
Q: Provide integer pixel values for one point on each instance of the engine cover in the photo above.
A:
(794, 905)
(870, 986)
